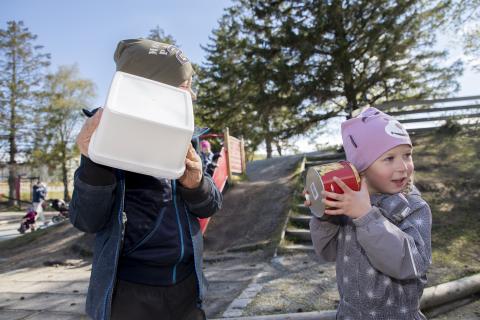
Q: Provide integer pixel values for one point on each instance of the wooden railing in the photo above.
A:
(431, 111)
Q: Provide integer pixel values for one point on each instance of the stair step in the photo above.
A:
(298, 235)
(302, 209)
(301, 220)
(309, 164)
(295, 248)
(328, 156)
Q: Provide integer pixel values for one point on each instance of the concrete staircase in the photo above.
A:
(296, 237)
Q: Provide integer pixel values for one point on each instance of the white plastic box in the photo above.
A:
(146, 127)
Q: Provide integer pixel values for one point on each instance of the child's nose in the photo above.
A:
(401, 165)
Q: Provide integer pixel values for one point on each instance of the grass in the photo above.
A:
(448, 174)
(239, 177)
(296, 199)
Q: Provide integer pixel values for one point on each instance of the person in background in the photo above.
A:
(39, 194)
(28, 221)
(206, 154)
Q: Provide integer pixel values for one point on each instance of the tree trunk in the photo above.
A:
(342, 57)
(268, 145)
(12, 152)
(12, 164)
(268, 136)
(66, 194)
(279, 148)
(12, 177)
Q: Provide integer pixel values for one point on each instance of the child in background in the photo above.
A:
(207, 157)
(206, 153)
(379, 237)
(28, 221)
(39, 194)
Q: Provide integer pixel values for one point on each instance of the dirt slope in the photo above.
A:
(254, 210)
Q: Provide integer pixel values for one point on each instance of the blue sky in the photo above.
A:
(86, 32)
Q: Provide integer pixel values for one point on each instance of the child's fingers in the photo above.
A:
(191, 164)
(98, 115)
(334, 212)
(307, 203)
(332, 195)
(342, 185)
(191, 154)
(330, 203)
(92, 123)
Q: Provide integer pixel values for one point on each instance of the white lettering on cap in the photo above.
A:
(154, 48)
(171, 49)
(181, 57)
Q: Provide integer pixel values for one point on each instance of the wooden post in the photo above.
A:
(242, 153)
(226, 138)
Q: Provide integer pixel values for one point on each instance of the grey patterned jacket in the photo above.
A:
(381, 258)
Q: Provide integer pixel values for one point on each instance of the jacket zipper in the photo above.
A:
(199, 282)
(174, 275)
(121, 221)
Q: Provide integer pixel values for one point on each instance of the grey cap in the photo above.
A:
(153, 60)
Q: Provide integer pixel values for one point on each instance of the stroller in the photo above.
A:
(62, 208)
(28, 221)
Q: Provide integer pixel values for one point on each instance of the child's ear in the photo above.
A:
(364, 181)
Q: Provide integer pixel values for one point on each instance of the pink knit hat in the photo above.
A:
(205, 144)
(369, 135)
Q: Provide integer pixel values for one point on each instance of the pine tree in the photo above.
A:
(373, 51)
(248, 83)
(284, 66)
(21, 72)
(158, 34)
(465, 18)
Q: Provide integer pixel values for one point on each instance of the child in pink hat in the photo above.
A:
(206, 154)
(379, 237)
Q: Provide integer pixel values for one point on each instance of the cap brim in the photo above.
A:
(197, 132)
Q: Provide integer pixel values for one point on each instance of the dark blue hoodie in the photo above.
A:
(98, 206)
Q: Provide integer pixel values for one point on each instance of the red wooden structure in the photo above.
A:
(231, 161)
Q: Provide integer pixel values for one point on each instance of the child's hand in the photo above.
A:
(90, 125)
(193, 170)
(307, 202)
(354, 204)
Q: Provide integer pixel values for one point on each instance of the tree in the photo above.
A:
(465, 17)
(381, 50)
(66, 95)
(22, 67)
(157, 34)
(249, 84)
(285, 66)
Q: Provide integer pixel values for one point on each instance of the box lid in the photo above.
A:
(150, 100)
